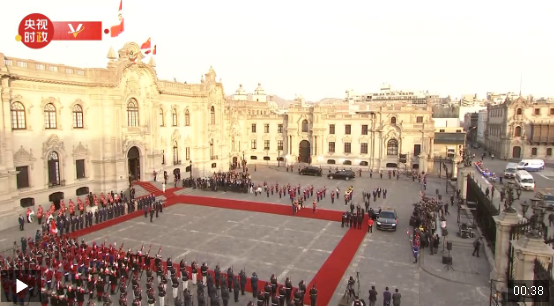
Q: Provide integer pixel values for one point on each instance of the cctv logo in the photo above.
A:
(80, 28)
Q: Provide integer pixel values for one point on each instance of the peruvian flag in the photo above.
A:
(118, 28)
(53, 228)
(146, 47)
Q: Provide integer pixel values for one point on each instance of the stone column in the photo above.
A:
(422, 163)
(462, 181)
(455, 163)
(504, 222)
(527, 249)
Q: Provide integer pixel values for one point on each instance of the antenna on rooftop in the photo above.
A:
(520, 83)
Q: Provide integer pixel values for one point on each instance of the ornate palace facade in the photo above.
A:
(67, 130)
(518, 129)
(369, 135)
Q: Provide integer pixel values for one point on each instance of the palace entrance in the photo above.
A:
(133, 160)
(516, 152)
(304, 152)
(56, 198)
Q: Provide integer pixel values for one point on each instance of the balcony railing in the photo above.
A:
(56, 184)
(213, 157)
(176, 162)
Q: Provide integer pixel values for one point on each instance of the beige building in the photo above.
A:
(369, 135)
(449, 142)
(67, 130)
(518, 129)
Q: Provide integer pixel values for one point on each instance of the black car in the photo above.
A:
(315, 171)
(387, 220)
(342, 175)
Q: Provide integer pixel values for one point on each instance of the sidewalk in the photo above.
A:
(466, 269)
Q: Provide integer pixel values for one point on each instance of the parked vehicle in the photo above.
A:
(546, 197)
(510, 171)
(342, 175)
(387, 220)
(310, 170)
(531, 165)
(524, 180)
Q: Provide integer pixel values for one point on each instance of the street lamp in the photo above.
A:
(278, 158)
(509, 187)
(191, 169)
(320, 160)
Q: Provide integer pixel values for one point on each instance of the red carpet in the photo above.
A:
(154, 190)
(330, 274)
(326, 279)
(276, 209)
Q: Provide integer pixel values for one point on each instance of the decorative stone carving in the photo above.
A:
(363, 139)
(54, 101)
(129, 143)
(176, 136)
(331, 138)
(52, 144)
(132, 87)
(347, 139)
(17, 97)
(80, 150)
(266, 137)
(22, 157)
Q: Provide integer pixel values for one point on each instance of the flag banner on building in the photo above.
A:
(118, 29)
(146, 47)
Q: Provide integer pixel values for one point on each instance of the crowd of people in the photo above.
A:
(69, 273)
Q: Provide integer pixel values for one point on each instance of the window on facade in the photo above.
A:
(77, 116)
(212, 150)
(187, 153)
(364, 129)
(187, 118)
(417, 149)
(305, 126)
(266, 144)
(518, 111)
(253, 144)
(80, 168)
(53, 168)
(347, 147)
(280, 129)
(50, 116)
(392, 147)
(175, 153)
(332, 129)
(393, 120)
(212, 115)
(419, 119)
(552, 112)
(266, 128)
(332, 147)
(363, 148)
(22, 177)
(253, 128)
(537, 111)
(534, 151)
(347, 129)
(280, 145)
(548, 151)
(174, 117)
(517, 131)
(441, 131)
(161, 117)
(133, 113)
(18, 116)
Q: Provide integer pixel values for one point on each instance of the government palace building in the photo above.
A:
(68, 131)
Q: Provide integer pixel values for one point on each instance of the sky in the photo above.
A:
(318, 49)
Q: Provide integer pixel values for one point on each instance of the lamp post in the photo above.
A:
(191, 168)
(243, 163)
(536, 220)
(279, 158)
(320, 160)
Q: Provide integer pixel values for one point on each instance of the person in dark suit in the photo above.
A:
(21, 221)
(387, 296)
(396, 296)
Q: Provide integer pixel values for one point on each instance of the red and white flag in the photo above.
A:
(118, 28)
(53, 227)
(146, 47)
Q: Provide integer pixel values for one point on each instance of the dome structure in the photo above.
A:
(259, 94)
(240, 94)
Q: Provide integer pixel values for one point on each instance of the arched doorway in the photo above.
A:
(133, 160)
(56, 198)
(304, 156)
(516, 152)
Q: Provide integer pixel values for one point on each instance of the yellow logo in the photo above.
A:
(80, 28)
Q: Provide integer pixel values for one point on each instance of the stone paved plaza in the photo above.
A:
(297, 247)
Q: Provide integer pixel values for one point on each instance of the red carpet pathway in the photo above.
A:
(326, 279)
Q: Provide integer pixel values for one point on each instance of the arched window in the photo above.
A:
(392, 147)
(174, 117)
(518, 111)
(50, 116)
(18, 116)
(305, 126)
(517, 131)
(212, 115)
(175, 153)
(77, 116)
(161, 117)
(393, 120)
(187, 118)
(132, 113)
(53, 169)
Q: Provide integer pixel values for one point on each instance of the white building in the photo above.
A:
(481, 126)
(386, 94)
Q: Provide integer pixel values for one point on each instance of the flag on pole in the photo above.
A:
(53, 228)
(154, 50)
(118, 28)
(146, 47)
